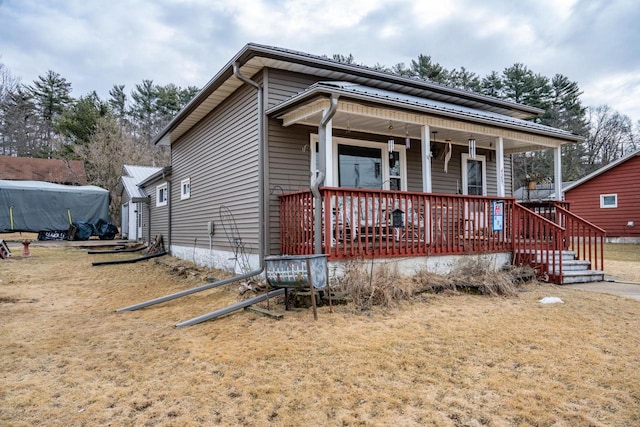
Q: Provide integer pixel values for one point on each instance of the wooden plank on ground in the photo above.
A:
(264, 311)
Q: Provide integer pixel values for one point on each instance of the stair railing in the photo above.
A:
(538, 242)
(582, 237)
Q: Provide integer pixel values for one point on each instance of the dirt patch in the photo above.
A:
(447, 359)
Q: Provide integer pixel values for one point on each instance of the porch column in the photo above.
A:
(557, 172)
(500, 167)
(325, 152)
(329, 179)
(426, 159)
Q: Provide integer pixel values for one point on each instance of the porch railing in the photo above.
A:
(363, 223)
(582, 237)
(371, 223)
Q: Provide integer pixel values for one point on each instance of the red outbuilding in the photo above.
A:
(610, 198)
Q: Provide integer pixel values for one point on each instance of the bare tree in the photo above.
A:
(8, 85)
(610, 136)
(106, 152)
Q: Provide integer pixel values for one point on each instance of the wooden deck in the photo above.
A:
(359, 223)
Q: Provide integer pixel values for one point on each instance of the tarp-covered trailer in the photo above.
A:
(36, 206)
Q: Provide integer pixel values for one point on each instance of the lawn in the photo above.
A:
(67, 358)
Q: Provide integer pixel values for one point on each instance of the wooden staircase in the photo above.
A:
(561, 247)
(574, 270)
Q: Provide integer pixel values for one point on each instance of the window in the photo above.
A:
(161, 195)
(608, 200)
(364, 164)
(474, 175)
(185, 188)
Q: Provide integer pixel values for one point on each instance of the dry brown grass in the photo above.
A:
(623, 261)
(68, 359)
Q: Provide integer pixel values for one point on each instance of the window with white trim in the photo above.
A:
(162, 195)
(185, 189)
(608, 200)
(364, 164)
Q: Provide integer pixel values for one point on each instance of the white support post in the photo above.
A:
(557, 172)
(426, 159)
(500, 191)
(330, 179)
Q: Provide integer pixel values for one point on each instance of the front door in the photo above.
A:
(474, 175)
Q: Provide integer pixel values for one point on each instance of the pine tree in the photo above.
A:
(51, 95)
(143, 109)
(78, 122)
(464, 79)
(429, 70)
(492, 85)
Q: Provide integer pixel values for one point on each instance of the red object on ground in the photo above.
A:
(25, 248)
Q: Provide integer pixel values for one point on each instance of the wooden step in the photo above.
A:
(584, 276)
(570, 265)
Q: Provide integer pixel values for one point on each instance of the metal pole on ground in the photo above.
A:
(229, 309)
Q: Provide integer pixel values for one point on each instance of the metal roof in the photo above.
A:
(254, 57)
(391, 98)
(134, 176)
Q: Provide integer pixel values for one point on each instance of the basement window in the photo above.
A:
(608, 200)
(161, 195)
(185, 189)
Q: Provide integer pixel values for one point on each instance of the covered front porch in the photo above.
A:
(398, 175)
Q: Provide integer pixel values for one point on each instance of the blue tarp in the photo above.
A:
(35, 206)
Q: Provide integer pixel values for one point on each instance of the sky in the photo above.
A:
(95, 44)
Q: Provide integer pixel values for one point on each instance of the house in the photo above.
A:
(609, 198)
(57, 171)
(284, 152)
(133, 199)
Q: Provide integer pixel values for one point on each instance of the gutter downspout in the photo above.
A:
(261, 213)
(322, 152)
(169, 203)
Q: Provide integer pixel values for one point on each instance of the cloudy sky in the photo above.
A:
(95, 44)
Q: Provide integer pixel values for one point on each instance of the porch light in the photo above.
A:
(472, 148)
(407, 140)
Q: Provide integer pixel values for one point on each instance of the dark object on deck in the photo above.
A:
(53, 235)
(83, 230)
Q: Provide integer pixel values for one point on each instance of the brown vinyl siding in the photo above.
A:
(156, 216)
(220, 157)
(282, 85)
(288, 168)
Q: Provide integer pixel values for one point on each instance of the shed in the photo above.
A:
(35, 206)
